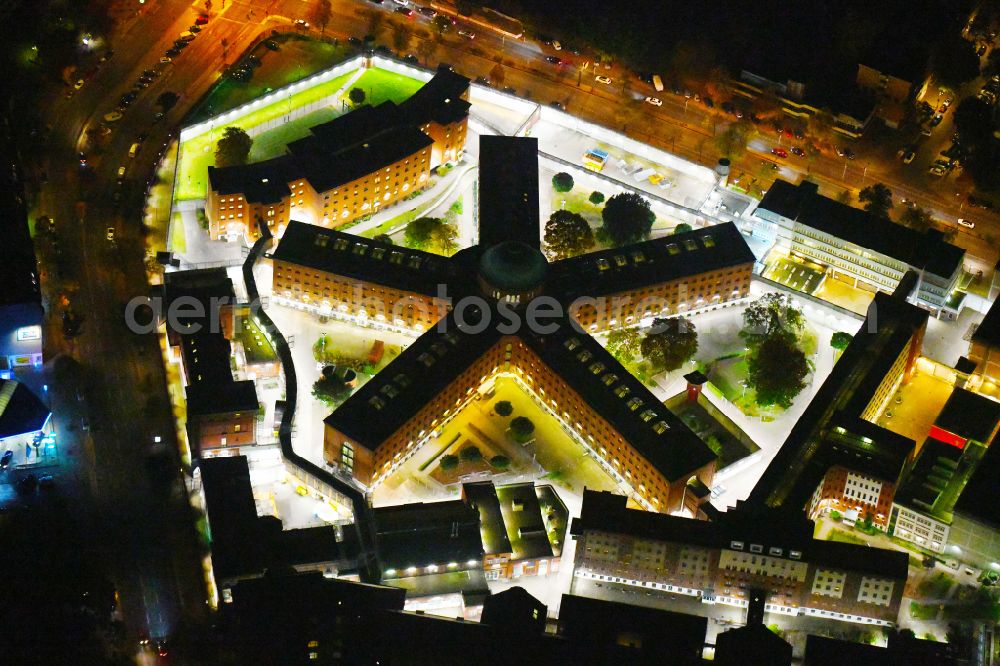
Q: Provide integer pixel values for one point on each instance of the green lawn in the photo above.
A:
(845, 537)
(937, 586)
(178, 243)
(923, 611)
(198, 153)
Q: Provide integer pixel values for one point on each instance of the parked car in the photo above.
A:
(968, 224)
(557, 105)
(166, 60)
(405, 11)
(780, 152)
(600, 78)
(655, 101)
(195, 29)
(110, 235)
(936, 120)
(427, 11)
(271, 45)
(555, 60)
(908, 157)
(113, 116)
(201, 20)
(797, 151)
(5, 459)
(468, 34)
(79, 84)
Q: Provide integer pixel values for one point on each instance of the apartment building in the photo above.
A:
(346, 169)
(856, 495)
(745, 549)
(868, 253)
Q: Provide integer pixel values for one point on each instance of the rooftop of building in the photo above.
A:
(19, 268)
(513, 267)
(988, 331)
(508, 199)
(659, 260)
(515, 609)
(803, 204)
(363, 259)
(786, 531)
(523, 521)
(935, 480)
(824, 651)
(979, 497)
(753, 644)
(21, 411)
(232, 517)
(421, 534)
(350, 146)
(482, 496)
(844, 394)
(205, 398)
(969, 415)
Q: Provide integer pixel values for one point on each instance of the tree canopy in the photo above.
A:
(233, 148)
(669, 343)
(500, 462)
(625, 344)
(772, 315)
(562, 182)
(331, 389)
(521, 428)
(448, 462)
(432, 234)
(916, 218)
(383, 238)
(470, 454)
(732, 142)
(877, 199)
(357, 96)
(776, 371)
(840, 340)
(568, 234)
(320, 14)
(166, 100)
(954, 60)
(627, 219)
(596, 198)
(683, 227)
(503, 408)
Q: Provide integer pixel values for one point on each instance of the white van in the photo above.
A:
(134, 149)
(657, 83)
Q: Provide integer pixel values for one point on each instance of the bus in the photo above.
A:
(657, 83)
(595, 159)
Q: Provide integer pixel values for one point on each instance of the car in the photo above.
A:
(797, 151)
(981, 50)
(936, 120)
(463, 32)
(186, 37)
(482, 80)
(83, 159)
(780, 152)
(127, 98)
(557, 105)
(909, 203)
(121, 172)
(201, 20)
(158, 117)
(270, 44)
(655, 101)
(5, 459)
(151, 73)
(141, 84)
(427, 11)
(195, 28)
(979, 202)
(936, 170)
(908, 157)
(556, 45)
(600, 78)
(172, 53)
(555, 60)
(405, 11)
(925, 131)
(112, 116)
(377, 2)
(509, 90)
(411, 58)
(849, 154)
(166, 60)
(79, 84)
(180, 44)
(968, 224)
(111, 234)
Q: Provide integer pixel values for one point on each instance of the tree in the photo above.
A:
(568, 234)
(776, 371)
(916, 218)
(383, 238)
(771, 316)
(521, 428)
(470, 454)
(954, 60)
(233, 148)
(503, 408)
(562, 182)
(500, 462)
(426, 50)
(497, 75)
(732, 143)
(357, 96)
(432, 234)
(320, 14)
(845, 197)
(877, 200)
(974, 121)
(166, 100)
(596, 198)
(627, 219)
(682, 228)
(840, 340)
(624, 344)
(669, 343)
(448, 462)
(330, 388)
(442, 24)
(400, 36)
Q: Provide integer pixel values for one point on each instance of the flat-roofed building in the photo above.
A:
(347, 168)
(745, 549)
(866, 252)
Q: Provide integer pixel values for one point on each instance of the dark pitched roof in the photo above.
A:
(439, 100)
(508, 190)
(803, 204)
(21, 411)
(363, 259)
(842, 397)
(19, 268)
(420, 534)
(261, 182)
(753, 644)
(658, 260)
(206, 397)
(482, 496)
(969, 415)
(788, 530)
(402, 388)
(979, 497)
(515, 610)
(232, 517)
(643, 421)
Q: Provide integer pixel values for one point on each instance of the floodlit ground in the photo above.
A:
(800, 275)
(913, 408)
(846, 296)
